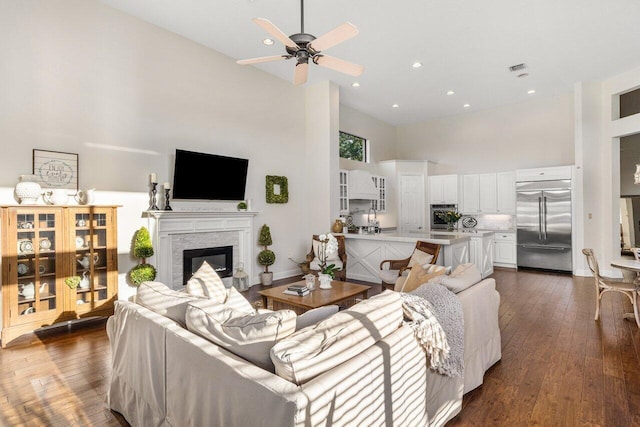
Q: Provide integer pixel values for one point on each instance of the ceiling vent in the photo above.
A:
(517, 67)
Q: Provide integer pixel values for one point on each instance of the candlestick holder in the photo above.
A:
(153, 206)
(167, 206)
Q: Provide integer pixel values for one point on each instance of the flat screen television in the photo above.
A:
(202, 176)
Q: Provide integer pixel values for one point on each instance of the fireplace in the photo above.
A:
(219, 257)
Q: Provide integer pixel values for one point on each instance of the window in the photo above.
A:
(354, 147)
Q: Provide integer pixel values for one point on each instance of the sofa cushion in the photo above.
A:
(419, 275)
(249, 336)
(313, 350)
(206, 283)
(315, 315)
(167, 302)
(464, 276)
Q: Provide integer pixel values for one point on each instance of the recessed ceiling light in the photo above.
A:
(467, 105)
(268, 42)
(355, 84)
(523, 75)
(532, 91)
(450, 93)
(416, 64)
(395, 106)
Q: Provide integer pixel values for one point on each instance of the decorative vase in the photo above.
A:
(450, 227)
(325, 281)
(337, 226)
(28, 190)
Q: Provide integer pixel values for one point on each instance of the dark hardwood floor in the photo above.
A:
(559, 367)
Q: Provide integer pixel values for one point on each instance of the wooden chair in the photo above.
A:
(603, 285)
(342, 254)
(396, 267)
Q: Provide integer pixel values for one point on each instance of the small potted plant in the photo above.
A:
(266, 257)
(242, 206)
(142, 249)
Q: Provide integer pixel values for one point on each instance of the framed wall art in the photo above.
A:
(277, 188)
(55, 169)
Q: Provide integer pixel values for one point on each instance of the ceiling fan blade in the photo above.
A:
(337, 35)
(268, 26)
(339, 65)
(261, 59)
(300, 74)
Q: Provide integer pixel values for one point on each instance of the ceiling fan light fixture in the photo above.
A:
(304, 46)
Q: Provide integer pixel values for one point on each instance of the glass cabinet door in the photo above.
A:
(91, 258)
(37, 266)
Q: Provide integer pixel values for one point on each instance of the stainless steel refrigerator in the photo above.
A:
(543, 217)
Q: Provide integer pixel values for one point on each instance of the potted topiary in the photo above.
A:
(266, 257)
(142, 249)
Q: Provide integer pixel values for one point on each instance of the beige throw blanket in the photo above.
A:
(418, 314)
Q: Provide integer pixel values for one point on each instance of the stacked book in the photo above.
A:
(299, 290)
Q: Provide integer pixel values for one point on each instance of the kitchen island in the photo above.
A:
(366, 251)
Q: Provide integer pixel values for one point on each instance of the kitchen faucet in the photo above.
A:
(375, 220)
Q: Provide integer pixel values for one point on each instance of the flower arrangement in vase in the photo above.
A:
(451, 218)
(328, 245)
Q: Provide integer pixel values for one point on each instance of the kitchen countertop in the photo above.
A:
(442, 238)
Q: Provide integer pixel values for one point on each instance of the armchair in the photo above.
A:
(396, 267)
(311, 263)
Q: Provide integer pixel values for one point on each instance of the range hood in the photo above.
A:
(361, 186)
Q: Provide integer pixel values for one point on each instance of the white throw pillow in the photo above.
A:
(167, 302)
(463, 277)
(314, 316)
(206, 282)
(238, 302)
(249, 336)
(311, 351)
(419, 258)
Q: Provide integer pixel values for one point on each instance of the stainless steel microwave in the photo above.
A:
(436, 221)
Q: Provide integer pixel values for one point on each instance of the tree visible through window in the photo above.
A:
(353, 147)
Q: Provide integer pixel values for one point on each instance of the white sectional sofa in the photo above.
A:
(165, 375)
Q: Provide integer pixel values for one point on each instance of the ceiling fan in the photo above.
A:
(304, 47)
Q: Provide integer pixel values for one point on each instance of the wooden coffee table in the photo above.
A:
(341, 293)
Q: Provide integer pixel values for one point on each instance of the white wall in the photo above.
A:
(80, 77)
(533, 134)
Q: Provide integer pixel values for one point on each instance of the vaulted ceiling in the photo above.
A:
(464, 46)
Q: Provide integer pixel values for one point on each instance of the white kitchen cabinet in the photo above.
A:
(443, 189)
(481, 253)
(470, 194)
(344, 192)
(506, 193)
(380, 204)
(504, 254)
(479, 193)
(487, 192)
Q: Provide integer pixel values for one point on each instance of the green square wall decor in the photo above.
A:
(277, 189)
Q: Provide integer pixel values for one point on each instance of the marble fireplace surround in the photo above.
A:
(174, 231)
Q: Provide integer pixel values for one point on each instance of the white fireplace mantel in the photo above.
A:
(171, 232)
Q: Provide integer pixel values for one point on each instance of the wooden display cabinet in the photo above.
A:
(44, 245)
